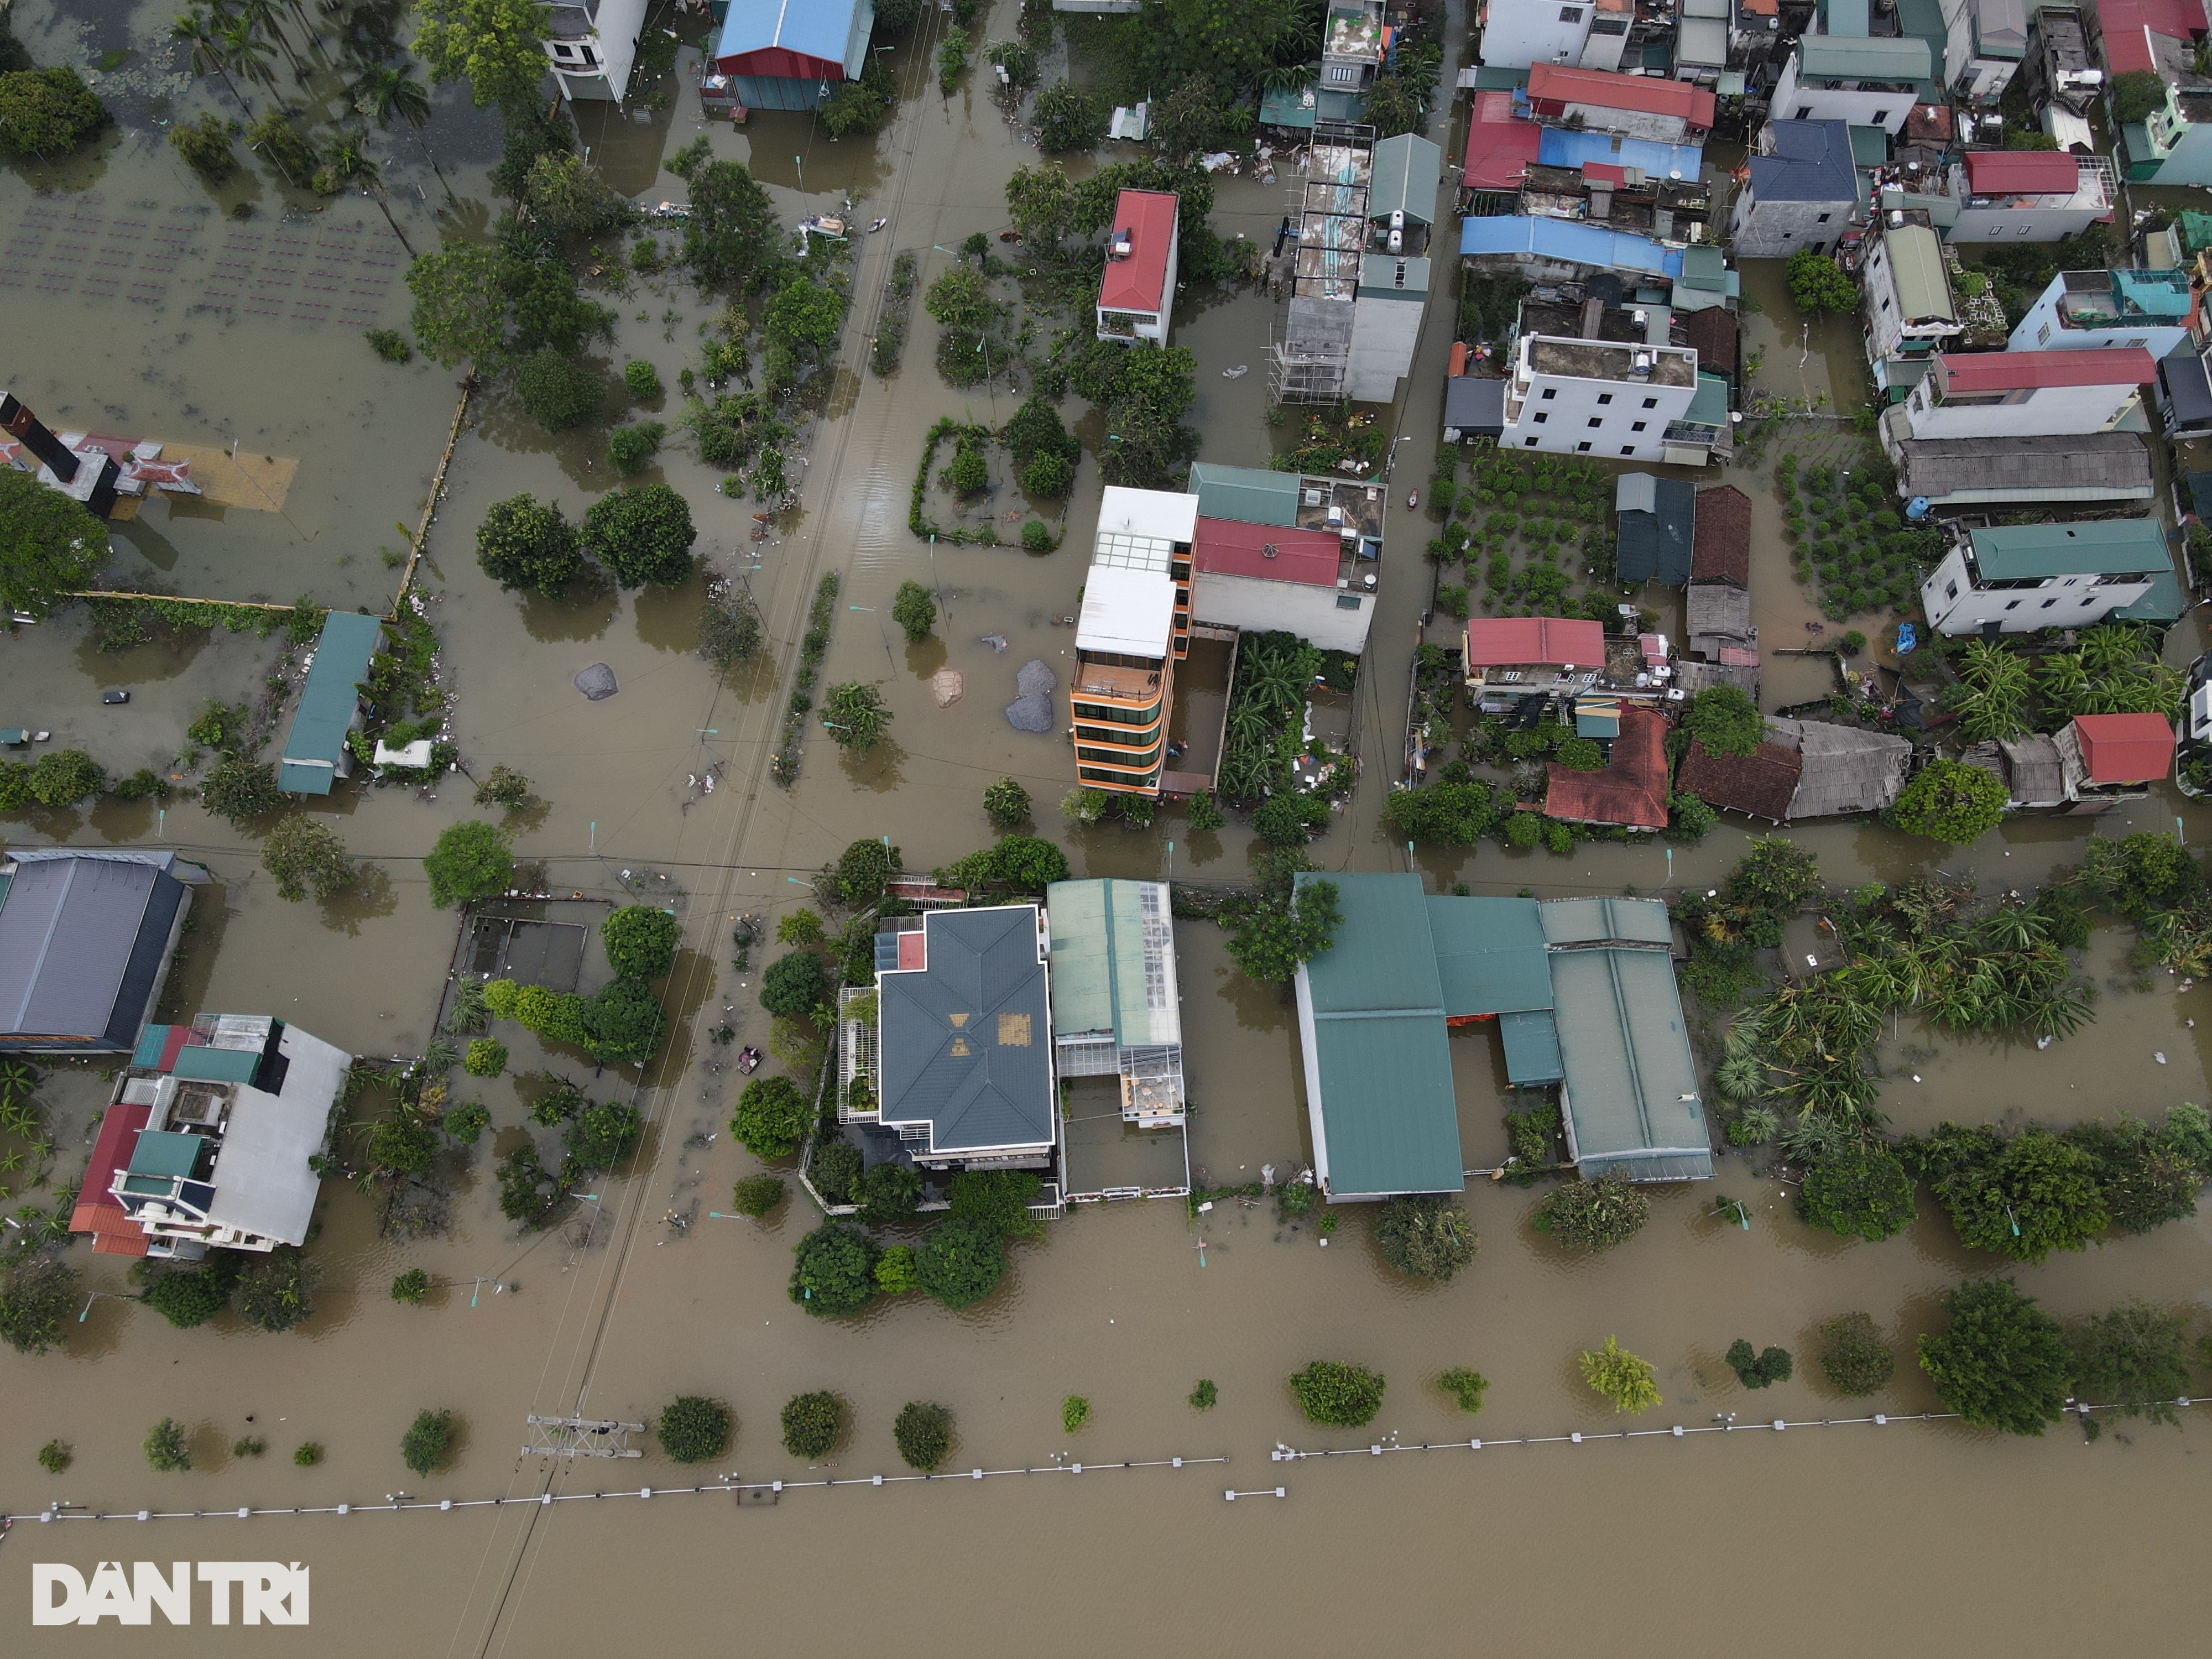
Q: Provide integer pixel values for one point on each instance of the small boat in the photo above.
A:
(749, 1060)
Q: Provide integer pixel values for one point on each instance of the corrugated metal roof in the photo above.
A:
(1595, 920)
(1631, 1087)
(80, 939)
(1407, 169)
(163, 1153)
(1499, 143)
(1268, 552)
(820, 29)
(2104, 547)
(327, 702)
(1646, 94)
(2022, 172)
(1564, 147)
(1490, 956)
(1568, 241)
(1532, 1046)
(2009, 371)
(2165, 603)
(1654, 542)
(2124, 748)
(1812, 162)
(1246, 494)
(1916, 269)
(1113, 962)
(1553, 642)
(1392, 276)
(1139, 282)
(1871, 57)
(965, 1043)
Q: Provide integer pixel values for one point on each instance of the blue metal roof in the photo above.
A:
(819, 28)
(1559, 147)
(326, 712)
(1565, 238)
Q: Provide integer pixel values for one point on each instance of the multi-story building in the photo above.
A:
(207, 1143)
(2021, 394)
(2103, 309)
(2028, 196)
(2058, 70)
(1134, 624)
(1909, 310)
(2022, 578)
(1136, 290)
(1867, 80)
(1352, 44)
(1595, 397)
(1584, 34)
(591, 45)
(2170, 143)
(1985, 41)
(1800, 191)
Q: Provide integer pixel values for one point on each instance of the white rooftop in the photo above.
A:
(1159, 513)
(262, 1183)
(1129, 611)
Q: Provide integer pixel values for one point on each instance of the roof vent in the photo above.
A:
(1123, 245)
(1269, 550)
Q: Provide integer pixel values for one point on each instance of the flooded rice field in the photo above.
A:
(1923, 1537)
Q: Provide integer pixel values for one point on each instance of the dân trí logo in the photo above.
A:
(269, 1592)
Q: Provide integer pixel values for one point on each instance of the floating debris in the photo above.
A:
(996, 641)
(1237, 373)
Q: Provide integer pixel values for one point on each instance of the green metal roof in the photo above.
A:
(1248, 494)
(2165, 603)
(326, 712)
(2102, 547)
(1406, 171)
(1387, 1119)
(1600, 921)
(1708, 403)
(211, 1065)
(1379, 278)
(1099, 979)
(1869, 146)
(1489, 955)
(1867, 58)
(1916, 267)
(1631, 1086)
(1532, 1046)
(1705, 268)
(165, 1154)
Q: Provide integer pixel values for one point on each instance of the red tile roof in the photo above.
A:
(1556, 641)
(1631, 790)
(1499, 144)
(2124, 748)
(1139, 282)
(1223, 547)
(98, 1213)
(2022, 173)
(1647, 94)
(1759, 784)
(2012, 371)
(1720, 546)
(2123, 23)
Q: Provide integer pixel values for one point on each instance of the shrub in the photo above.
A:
(833, 1273)
(969, 473)
(1950, 801)
(1074, 1413)
(428, 1439)
(412, 1287)
(1006, 804)
(308, 1454)
(2135, 1357)
(487, 1057)
(1050, 476)
(2003, 1363)
(241, 790)
(895, 1275)
(960, 1260)
(558, 392)
(1205, 814)
(811, 1424)
(837, 1169)
(794, 985)
(641, 379)
(473, 859)
(756, 1196)
(1861, 1191)
(1758, 1370)
(640, 941)
(54, 1456)
(2021, 1196)
(1853, 1355)
(186, 1296)
(1620, 1377)
(924, 1434)
(273, 1291)
(914, 610)
(1204, 1396)
(1425, 1237)
(168, 1449)
(1593, 1215)
(1289, 820)
(1068, 119)
(633, 444)
(692, 1429)
(1338, 1394)
(1036, 538)
(524, 542)
(1465, 1386)
(1724, 721)
(534, 1007)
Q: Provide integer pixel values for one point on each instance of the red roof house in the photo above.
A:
(2020, 371)
(1523, 641)
(2124, 748)
(2022, 173)
(1273, 553)
(1500, 145)
(1138, 289)
(1554, 89)
(2126, 25)
(1631, 789)
(114, 1233)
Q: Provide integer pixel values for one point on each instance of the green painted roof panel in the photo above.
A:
(327, 700)
(1489, 955)
(1382, 959)
(2104, 547)
(2165, 603)
(1245, 493)
(1631, 1087)
(1099, 979)
(1870, 57)
(1916, 267)
(209, 1065)
(1598, 920)
(163, 1153)
(1387, 1105)
(1407, 170)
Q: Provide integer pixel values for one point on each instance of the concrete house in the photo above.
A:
(1867, 80)
(315, 753)
(2059, 71)
(207, 1141)
(1800, 191)
(2021, 394)
(2103, 309)
(2065, 472)
(1633, 105)
(1395, 272)
(1509, 658)
(780, 56)
(1547, 250)
(1134, 626)
(1136, 291)
(87, 936)
(1582, 992)
(965, 1041)
(1583, 33)
(2017, 579)
(591, 45)
(1985, 41)
(2029, 196)
(1276, 550)
(1630, 791)
(1581, 396)
(2089, 766)
(2173, 144)
(1116, 1010)
(1909, 311)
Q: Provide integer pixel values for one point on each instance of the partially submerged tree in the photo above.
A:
(1951, 801)
(1594, 1215)
(2002, 1364)
(771, 1118)
(640, 940)
(642, 533)
(50, 545)
(302, 854)
(812, 1423)
(913, 610)
(1853, 1355)
(1337, 1393)
(855, 715)
(1628, 1383)
(473, 859)
(1425, 1237)
(692, 1429)
(498, 47)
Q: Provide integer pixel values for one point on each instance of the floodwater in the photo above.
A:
(1925, 1537)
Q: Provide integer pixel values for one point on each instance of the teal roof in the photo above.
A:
(2165, 603)
(1597, 726)
(1380, 278)
(1385, 1117)
(162, 1153)
(211, 1065)
(1246, 494)
(1604, 920)
(1708, 405)
(1705, 268)
(151, 1040)
(1407, 170)
(1532, 1046)
(1869, 146)
(327, 702)
(2102, 547)
(1873, 57)
(1630, 1085)
(1490, 956)
(1101, 977)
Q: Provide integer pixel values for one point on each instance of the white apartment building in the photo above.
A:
(2021, 394)
(1597, 398)
(2022, 578)
(1909, 310)
(1583, 33)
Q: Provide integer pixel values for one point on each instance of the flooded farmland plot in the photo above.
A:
(648, 1283)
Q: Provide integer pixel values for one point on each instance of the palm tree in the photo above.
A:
(389, 91)
(263, 17)
(201, 32)
(348, 160)
(244, 50)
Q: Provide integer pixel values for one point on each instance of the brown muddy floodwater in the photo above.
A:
(1911, 1538)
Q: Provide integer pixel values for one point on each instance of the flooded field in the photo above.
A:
(1928, 1538)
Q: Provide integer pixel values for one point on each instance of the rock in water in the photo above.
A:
(945, 685)
(1030, 714)
(1036, 678)
(596, 681)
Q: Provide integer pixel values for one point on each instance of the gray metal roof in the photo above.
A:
(1631, 1087)
(966, 1044)
(1406, 171)
(1605, 921)
(81, 939)
(1654, 540)
(1474, 404)
(2094, 466)
(1811, 163)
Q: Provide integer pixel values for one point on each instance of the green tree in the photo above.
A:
(302, 854)
(50, 545)
(855, 715)
(693, 1429)
(241, 790)
(1074, 1413)
(642, 533)
(632, 444)
(731, 235)
(411, 1287)
(1724, 720)
(641, 379)
(1041, 201)
(1013, 864)
(794, 985)
(473, 859)
(895, 1275)
(2003, 1363)
(1268, 940)
(2137, 94)
(2135, 1357)
(1069, 121)
(913, 609)
(37, 1293)
(961, 301)
(834, 1272)
(1466, 1386)
(498, 47)
(1818, 284)
(1594, 1215)
(63, 777)
(1289, 819)
(274, 1293)
(640, 940)
(525, 544)
(486, 1057)
(1000, 1197)
(1761, 1368)
(186, 1296)
(888, 1193)
(624, 1023)
(1949, 800)
(1204, 1397)
(865, 868)
(1006, 804)
(1853, 1355)
(1445, 814)
(771, 1117)
(923, 1432)
(1035, 430)
(46, 111)
(427, 1440)
(2146, 1177)
(756, 1196)
(1153, 391)
(169, 1447)
(460, 308)
(466, 1122)
(960, 1260)
(1425, 1237)
(1630, 1384)
(2021, 1196)
(567, 195)
(805, 313)
(558, 392)
(1861, 1191)
(811, 1424)
(1339, 1394)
